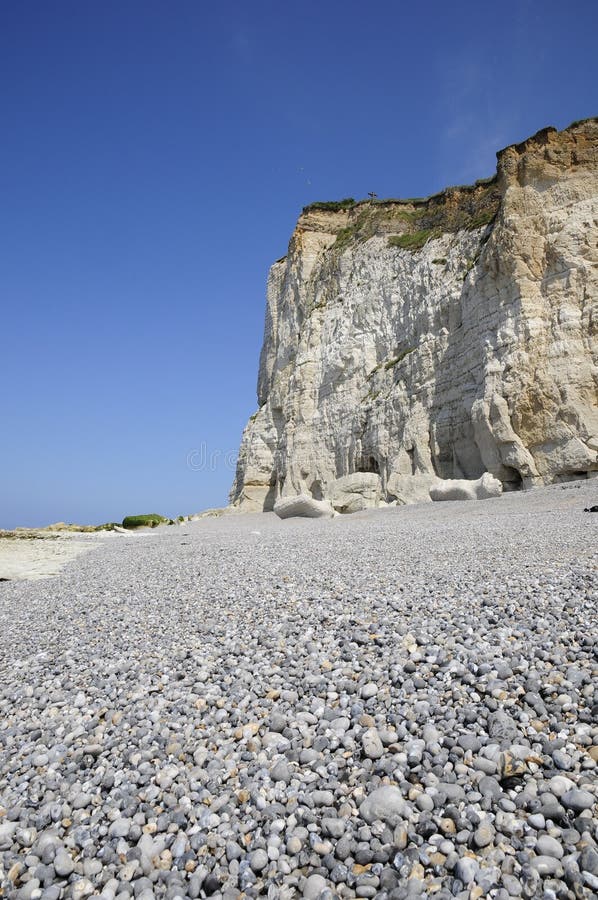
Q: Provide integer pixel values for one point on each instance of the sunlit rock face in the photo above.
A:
(444, 337)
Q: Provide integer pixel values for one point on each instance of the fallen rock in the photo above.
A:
(410, 488)
(461, 489)
(351, 493)
(303, 505)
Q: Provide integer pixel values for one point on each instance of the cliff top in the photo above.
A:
(410, 222)
(540, 138)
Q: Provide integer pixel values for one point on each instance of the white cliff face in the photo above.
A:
(445, 337)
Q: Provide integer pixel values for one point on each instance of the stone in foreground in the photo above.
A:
(386, 804)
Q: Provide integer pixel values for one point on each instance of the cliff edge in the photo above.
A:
(445, 336)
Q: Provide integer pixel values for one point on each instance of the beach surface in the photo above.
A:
(398, 703)
(28, 555)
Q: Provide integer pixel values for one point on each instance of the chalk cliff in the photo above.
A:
(446, 336)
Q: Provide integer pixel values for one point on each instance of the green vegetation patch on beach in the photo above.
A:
(150, 520)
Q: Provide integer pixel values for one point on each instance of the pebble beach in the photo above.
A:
(399, 703)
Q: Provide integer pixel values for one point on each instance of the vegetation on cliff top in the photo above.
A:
(411, 228)
(410, 223)
(351, 202)
(331, 205)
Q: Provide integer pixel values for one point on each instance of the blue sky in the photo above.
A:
(154, 157)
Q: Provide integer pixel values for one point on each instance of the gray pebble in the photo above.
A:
(547, 866)
(372, 745)
(484, 835)
(466, 870)
(334, 828)
(258, 860)
(369, 690)
(549, 846)
(63, 863)
(578, 800)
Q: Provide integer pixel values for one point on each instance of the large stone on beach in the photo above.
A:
(385, 803)
(502, 727)
(462, 489)
(410, 488)
(351, 493)
(303, 505)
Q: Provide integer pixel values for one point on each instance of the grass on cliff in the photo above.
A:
(369, 221)
(481, 219)
(331, 205)
(414, 240)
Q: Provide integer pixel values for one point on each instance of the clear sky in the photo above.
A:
(154, 157)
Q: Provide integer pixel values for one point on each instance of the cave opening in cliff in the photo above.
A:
(368, 464)
(316, 490)
(411, 455)
(513, 480)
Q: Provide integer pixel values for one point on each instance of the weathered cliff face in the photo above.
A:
(448, 336)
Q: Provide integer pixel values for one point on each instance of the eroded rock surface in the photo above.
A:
(437, 338)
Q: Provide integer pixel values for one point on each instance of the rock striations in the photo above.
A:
(435, 338)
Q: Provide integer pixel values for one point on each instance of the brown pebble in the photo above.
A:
(14, 872)
(447, 826)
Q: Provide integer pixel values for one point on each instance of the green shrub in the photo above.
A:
(151, 520)
(439, 262)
